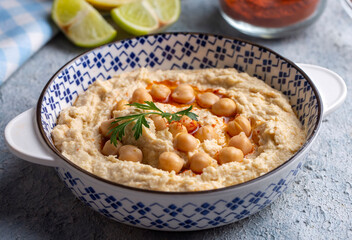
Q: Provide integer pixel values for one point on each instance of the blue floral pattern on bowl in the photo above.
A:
(174, 216)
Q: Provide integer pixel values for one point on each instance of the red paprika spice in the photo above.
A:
(269, 13)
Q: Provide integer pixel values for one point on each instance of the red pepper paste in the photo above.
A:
(269, 13)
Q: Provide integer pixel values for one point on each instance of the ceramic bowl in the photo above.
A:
(167, 210)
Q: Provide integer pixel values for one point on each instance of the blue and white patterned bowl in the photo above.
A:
(164, 210)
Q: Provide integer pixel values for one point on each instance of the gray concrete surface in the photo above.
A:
(35, 204)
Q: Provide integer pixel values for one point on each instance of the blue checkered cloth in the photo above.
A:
(25, 26)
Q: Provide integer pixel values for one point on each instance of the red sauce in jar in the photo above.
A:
(269, 13)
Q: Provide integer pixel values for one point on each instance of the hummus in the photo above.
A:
(276, 132)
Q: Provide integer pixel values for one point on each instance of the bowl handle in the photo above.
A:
(24, 141)
(331, 86)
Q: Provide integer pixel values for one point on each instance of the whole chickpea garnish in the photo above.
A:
(242, 142)
(230, 154)
(140, 95)
(239, 124)
(111, 149)
(225, 107)
(189, 123)
(199, 161)
(130, 153)
(160, 92)
(207, 99)
(185, 142)
(105, 127)
(206, 132)
(170, 161)
(183, 93)
(176, 128)
(120, 105)
(159, 122)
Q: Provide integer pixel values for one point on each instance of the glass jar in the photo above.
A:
(271, 18)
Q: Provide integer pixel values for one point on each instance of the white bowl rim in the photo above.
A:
(298, 154)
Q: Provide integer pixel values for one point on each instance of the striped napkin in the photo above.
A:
(25, 26)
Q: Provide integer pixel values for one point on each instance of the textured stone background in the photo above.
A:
(34, 203)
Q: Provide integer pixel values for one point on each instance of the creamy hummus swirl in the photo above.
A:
(277, 132)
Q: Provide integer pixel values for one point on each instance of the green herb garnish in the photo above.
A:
(118, 131)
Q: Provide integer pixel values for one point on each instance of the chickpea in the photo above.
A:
(140, 95)
(184, 93)
(120, 105)
(199, 161)
(206, 132)
(160, 92)
(230, 154)
(207, 99)
(224, 107)
(245, 124)
(106, 126)
(170, 161)
(239, 124)
(233, 128)
(185, 142)
(111, 149)
(242, 142)
(159, 122)
(189, 123)
(176, 128)
(130, 153)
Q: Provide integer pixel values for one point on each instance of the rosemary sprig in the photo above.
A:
(118, 129)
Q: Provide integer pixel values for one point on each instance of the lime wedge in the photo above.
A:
(81, 23)
(108, 4)
(167, 11)
(146, 16)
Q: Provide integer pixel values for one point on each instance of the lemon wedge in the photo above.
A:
(82, 23)
(146, 16)
(108, 4)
